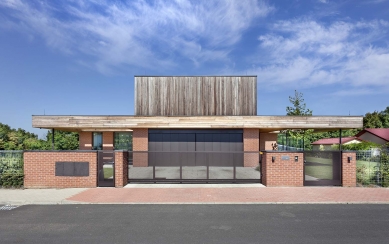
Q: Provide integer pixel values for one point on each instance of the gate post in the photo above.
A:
(121, 168)
(349, 169)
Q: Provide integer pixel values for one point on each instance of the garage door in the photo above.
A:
(195, 147)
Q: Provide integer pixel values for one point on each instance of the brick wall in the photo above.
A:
(265, 141)
(282, 172)
(121, 168)
(39, 169)
(251, 144)
(85, 140)
(140, 142)
(107, 140)
(349, 170)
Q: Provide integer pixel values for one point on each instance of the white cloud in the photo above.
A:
(305, 53)
(138, 33)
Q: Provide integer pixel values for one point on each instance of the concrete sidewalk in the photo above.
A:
(196, 194)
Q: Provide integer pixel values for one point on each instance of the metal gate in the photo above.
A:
(322, 168)
(106, 168)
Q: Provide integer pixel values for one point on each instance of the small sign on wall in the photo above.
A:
(285, 158)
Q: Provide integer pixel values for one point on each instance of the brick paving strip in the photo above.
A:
(233, 195)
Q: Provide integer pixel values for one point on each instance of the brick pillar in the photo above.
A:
(140, 143)
(85, 140)
(107, 140)
(282, 172)
(121, 168)
(251, 144)
(349, 169)
(265, 141)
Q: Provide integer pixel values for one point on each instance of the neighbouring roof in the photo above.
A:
(382, 133)
(332, 141)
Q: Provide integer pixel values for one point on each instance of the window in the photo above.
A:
(123, 141)
(97, 141)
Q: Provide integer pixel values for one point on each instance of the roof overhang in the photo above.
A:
(128, 123)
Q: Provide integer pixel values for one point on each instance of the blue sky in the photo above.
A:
(79, 57)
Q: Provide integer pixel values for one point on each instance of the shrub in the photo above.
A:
(12, 178)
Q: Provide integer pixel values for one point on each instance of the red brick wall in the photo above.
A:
(39, 169)
(349, 170)
(265, 141)
(85, 140)
(282, 172)
(107, 140)
(121, 168)
(251, 144)
(140, 142)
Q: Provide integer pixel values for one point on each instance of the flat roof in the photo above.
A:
(127, 123)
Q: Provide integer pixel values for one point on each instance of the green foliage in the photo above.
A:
(360, 146)
(12, 139)
(377, 119)
(299, 106)
(12, 179)
(63, 140)
(11, 169)
(384, 165)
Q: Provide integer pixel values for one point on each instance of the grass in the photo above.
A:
(108, 173)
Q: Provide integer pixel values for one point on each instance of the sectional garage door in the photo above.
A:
(195, 147)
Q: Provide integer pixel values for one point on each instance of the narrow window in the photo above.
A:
(97, 141)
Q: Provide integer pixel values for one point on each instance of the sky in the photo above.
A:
(79, 57)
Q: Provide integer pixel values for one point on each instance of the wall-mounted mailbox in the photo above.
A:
(349, 159)
(273, 159)
(296, 158)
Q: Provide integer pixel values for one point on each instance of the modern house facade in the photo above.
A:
(183, 127)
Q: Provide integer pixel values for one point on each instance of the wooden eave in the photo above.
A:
(263, 123)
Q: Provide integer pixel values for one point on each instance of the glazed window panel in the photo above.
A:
(123, 141)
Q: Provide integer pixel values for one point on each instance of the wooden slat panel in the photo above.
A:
(195, 95)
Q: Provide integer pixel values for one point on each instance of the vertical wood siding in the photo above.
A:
(195, 95)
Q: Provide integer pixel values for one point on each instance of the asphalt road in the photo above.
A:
(302, 223)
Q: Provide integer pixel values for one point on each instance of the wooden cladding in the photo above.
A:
(264, 123)
(195, 95)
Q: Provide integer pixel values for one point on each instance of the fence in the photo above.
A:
(372, 168)
(11, 168)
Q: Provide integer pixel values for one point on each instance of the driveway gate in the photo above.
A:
(322, 168)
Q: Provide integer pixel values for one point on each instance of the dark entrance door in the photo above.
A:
(322, 168)
(106, 168)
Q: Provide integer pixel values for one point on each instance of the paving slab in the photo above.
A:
(232, 195)
(37, 196)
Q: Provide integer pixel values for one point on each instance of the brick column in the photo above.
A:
(282, 172)
(107, 140)
(85, 140)
(349, 169)
(121, 168)
(251, 144)
(140, 143)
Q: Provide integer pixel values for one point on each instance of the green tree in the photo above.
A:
(63, 140)
(372, 120)
(298, 107)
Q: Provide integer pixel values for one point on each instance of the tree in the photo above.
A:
(299, 106)
(372, 120)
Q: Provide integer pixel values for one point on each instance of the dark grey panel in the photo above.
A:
(68, 169)
(81, 169)
(71, 168)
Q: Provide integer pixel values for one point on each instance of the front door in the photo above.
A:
(106, 168)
